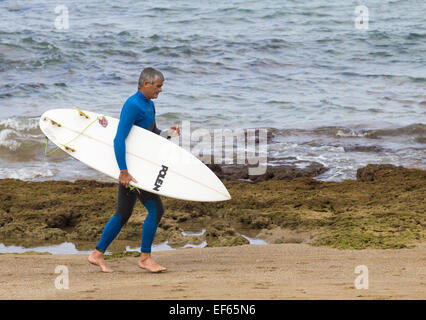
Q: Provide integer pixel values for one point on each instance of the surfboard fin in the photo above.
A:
(68, 148)
(81, 113)
(52, 121)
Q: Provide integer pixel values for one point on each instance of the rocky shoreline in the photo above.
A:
(383, 208)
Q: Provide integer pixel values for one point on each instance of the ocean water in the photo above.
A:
(329, 91)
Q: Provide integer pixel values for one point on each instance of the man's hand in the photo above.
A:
(176, 129)
(125, 177)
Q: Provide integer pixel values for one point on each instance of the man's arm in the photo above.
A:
(127, 119)
(158, 131)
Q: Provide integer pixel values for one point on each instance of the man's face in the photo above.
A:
(152, 90)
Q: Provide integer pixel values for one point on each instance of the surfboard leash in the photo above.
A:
(130, 187)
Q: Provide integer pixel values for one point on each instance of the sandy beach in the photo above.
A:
(279, 271)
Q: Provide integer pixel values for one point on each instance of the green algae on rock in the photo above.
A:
(384, 208)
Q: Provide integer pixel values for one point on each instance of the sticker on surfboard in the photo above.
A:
(103, 121)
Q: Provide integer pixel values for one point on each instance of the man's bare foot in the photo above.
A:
(146, 262)
(97, 258)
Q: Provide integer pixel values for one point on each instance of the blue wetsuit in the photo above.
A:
(137, 110)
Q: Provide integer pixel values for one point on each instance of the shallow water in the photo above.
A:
(70, 248)
(63, 248)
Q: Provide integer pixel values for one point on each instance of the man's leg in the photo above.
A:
(154, 205)
(125, 204)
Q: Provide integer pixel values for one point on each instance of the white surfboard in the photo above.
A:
(159, 165)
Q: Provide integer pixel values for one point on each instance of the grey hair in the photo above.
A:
(149, 75)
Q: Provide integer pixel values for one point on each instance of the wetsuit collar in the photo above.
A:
(141, 95)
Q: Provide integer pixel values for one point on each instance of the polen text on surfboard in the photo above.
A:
(160, 177)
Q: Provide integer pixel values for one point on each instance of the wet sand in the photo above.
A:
(276, 271)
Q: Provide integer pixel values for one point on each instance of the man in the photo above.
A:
(138, 110)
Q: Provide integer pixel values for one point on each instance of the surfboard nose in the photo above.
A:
(228, 196)
(224, 193)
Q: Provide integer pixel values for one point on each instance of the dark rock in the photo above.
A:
(358, 148)
(276, 172)
(62, 220)
(369, 173)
